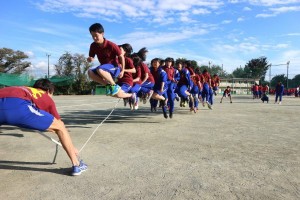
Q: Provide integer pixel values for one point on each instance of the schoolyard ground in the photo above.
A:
(244, 150)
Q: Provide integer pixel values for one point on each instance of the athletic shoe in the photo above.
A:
(231, 102)
(133, 98)
(165, 114)
(136, 106)
(208, 105)
(279, 102)
(107, 90)
(220, 101)
(125, 102)
(171, 115)
(77, 170)
(176, 97)
(115, 89)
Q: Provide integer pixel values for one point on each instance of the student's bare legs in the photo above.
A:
(106, 75)
(122, 94)
(96, 78)
(157, 96)
(59, 128)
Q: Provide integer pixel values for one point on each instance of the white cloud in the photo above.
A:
(240, 19)
(226, 21)
(272, 2)
(247, 9)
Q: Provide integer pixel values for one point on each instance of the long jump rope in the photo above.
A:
(95, 130)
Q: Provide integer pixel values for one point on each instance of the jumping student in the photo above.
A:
(169, 69)
(34, 108)
(160, 86)
(126, 82)
(112, 62)
(184, 84)
(206, 89)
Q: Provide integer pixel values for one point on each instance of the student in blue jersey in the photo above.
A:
(184, 84)
(170, 70)
(160, 86)
(279, 92)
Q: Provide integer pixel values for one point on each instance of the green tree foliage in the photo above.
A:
(13, 61)
(257, 68)
(277, 78)
(240, 73)
(74, 65)
(296, 80)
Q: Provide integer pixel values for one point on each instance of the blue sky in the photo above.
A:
(223, 32)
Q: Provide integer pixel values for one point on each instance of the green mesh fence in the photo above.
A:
(26, 80)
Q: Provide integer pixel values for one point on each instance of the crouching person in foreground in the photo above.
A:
(34, 108)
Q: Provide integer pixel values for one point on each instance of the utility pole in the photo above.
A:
(287, 74)
(48, 55)
(209, 64)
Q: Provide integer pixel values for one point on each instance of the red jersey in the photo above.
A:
(39, 97)
(145, 70)
(138, 74)
(227, 91)
(170, 72)
(206, 78)
(127, 77)
(107, 52)
(215, 81)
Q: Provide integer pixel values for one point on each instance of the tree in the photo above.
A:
(277, 78)
(296, 80)
(13, 61)
(76, 66)
(239, 73)
(257, 68)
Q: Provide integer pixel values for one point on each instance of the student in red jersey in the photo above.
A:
(126, 82)
(195, 92)
(147, 80)
(34, 108)
(170, 70)
(215, 82)
(198, 72)
(112, 62)
(227, 92)
(206, 88)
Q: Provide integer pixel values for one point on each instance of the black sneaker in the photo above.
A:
(171, 115)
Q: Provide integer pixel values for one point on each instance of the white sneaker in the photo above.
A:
(279, 102)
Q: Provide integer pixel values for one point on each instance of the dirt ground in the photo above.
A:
(244, 150)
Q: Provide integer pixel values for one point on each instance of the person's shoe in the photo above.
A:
(77, 170)
(125, 102)
(171, 115)
(231, 102)
(136, 106)
(279, 102)
(195, 110)
(165, 114)
(176, 97)
(220, 101)
(209, 106)
(181, 103)
(115, 89)
(108, 90)
(133, 98)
